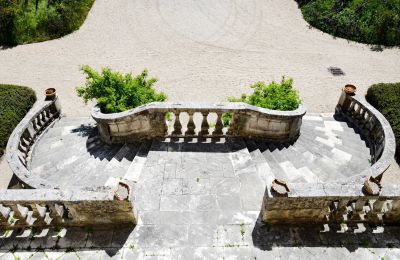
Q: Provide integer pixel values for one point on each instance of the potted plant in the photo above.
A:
(115, 92)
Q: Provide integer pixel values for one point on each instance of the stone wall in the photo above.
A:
(364, 200)
(149, 121)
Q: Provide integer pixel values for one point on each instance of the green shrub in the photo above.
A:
(8, 11)
(15, 102)
(40, 20)
(386, 98)
(367, 21)
(115, 92)
(272, 96)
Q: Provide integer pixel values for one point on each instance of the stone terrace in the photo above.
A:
(200, 199)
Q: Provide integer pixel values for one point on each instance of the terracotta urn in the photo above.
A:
(50, 93)
(349, 89)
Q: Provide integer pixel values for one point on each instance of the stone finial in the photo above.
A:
(280, 187)
(372, 186)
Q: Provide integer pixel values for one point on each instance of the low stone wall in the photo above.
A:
(339, 202)
(39, 205)
(149, 121)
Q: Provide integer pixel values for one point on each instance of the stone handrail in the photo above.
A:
(344, 202)
(24, 136)
(55, 208)
(374, 127)
(149, 121)
(39, 204)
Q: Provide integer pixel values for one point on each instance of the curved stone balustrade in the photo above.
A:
(341, 202)
(23, 138)
(374, 127)
(149, 121)
(39, 204)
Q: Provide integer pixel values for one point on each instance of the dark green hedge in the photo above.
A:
(386, 98)
(367, 21)
(15, 102)
(26, 21)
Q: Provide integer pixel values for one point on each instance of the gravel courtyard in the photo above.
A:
(201, 50)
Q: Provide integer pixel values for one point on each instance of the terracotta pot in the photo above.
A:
(50, 93)
(349, 89)
(280, 187)
(372, 186)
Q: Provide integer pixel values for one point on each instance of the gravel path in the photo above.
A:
(202, 50)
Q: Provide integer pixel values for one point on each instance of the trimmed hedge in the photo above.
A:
(386, 98)
(15, 102)
(26, 21)
(366, 21)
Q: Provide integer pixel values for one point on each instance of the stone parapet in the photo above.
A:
(149, 121)
(63, 208)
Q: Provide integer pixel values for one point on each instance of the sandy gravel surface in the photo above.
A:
(201, 50)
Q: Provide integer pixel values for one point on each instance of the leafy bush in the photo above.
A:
(15, 102)
(40, 20)
(386, 98)
(273, 96)
(368, 21)
(115, 92)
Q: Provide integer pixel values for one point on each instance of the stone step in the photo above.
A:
(136, 167)
(122, 160)
(340, 155)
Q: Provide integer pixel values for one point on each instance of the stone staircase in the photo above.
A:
(327, 150)
(71, 154)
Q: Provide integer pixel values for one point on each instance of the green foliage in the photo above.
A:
(386, 98)
(15, 102)
(367, 21)
(28, 21)
(115, 92)
(273, 96)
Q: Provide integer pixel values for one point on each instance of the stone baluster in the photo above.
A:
(233, 124)
(177, 124)
(35, 125)
(339, 210)
(39, 213)
(374, 216)
(357, 210)
(39, 121)
(218, 125)
(204, 124)
(17, 215)
(56, 213)
(190, 126)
